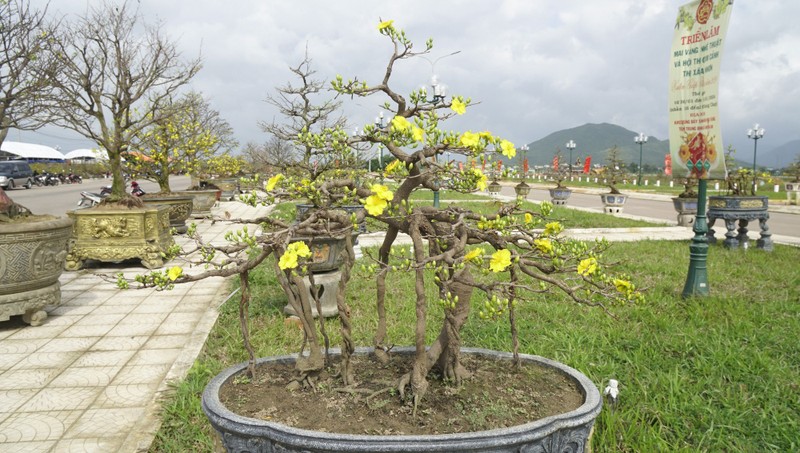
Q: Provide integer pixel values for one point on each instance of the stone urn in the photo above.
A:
(114, 234)
(522, 189)
(229, 186)
(565, 432)
(742, 209)
(559, 195)
(613, 203)
(687, 210)
(202, 201)
(32, 256)
(180, 208)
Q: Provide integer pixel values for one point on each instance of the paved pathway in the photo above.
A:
(90, 378)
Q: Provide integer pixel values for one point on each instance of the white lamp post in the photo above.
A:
(640, 139)
(570, 146)
(380, 124)
(755, 133)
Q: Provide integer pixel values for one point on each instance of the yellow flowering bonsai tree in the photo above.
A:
(484, 263)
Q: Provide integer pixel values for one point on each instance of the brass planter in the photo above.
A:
(31, 261)
(112, 234)
(180, 208)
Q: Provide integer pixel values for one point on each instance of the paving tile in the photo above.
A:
(103, 358)
(69, 344)
(97, 423)
(132, 330)
(8, 328)
(155, 356)
(102, 444)
(87, 299)
(85, 331)
(36, 426)
(166, 341)
(21, 346)
(112, 309)
(10, 400)
(153, 308)
(46, 360)
(29, 447)
(96, 376)
(27, 379)
(176, 328)
(71, 310)
(141, 374)
(121, 343)
(100, 319)
(38, 332)
(61, 399)
(184, 317)
(143, 318)
(128, 395)
(61, 319)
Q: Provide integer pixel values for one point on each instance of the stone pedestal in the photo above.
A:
(613, 203)
(327, 284)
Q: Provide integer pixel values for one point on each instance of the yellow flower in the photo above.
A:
(482, 179)
(623, 286)
(472, 254)
(501, 259)
(417, 133)
(273, 181)
(400, 124)
(470, 140)
(375, 205)
(392, 167)
(587, 267)
(385, 24)
(528, 217)
(382, 192)
(458, 106)
(543, 245)
(300, 249)
(552, 228)
(288, 260)
(507, 149)
(485, 134)
(174, 272)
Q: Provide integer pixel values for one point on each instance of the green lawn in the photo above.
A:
(720, 373)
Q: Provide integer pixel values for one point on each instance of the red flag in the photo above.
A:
(555, 163)
(587, 164)
(668, 165)
(499, 165)
(525, 165)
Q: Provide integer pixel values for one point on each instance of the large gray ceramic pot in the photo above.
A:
(567, 432)
(32, 257)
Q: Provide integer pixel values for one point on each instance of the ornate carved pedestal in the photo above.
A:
(116, 234)
(202, 201)
(31, 260)
(180, 208)
(744, 210)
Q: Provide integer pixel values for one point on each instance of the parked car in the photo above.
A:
(15, 173)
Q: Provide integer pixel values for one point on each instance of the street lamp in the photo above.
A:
(641, 139)
(439, 90)
(570, 146)
(755, 133)
(380, 123)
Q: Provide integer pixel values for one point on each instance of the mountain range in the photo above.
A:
(596, 139)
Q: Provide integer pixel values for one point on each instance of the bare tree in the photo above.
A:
(273, 154)
(297, 105)
(23, 36)
(115, 78)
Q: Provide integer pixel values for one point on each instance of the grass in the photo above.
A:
(721, 373)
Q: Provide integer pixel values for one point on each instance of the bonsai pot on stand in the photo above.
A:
(560, 195)
(613, 203)
(687, 210)
(741, 209)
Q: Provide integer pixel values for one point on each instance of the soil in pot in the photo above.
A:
(496, 396)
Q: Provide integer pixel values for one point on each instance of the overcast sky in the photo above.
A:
(535, 66)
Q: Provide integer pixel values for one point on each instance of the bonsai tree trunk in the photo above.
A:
(9, 209)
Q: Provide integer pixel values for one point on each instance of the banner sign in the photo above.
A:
(695, 140)
(587, 164)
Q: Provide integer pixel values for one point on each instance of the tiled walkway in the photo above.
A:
(89, 378)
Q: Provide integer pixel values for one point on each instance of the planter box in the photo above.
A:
(733, 209)
(559, 195)
(687, 210)
(613, 203)
(560, 433)
(117, 234)
(31, 261)
(202, 201)
(180, 208)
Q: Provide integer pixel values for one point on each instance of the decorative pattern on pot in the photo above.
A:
(741, 209)
(613, 203)
(180, 208)
(559, 195)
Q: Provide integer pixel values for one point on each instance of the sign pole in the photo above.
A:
(697, 279)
